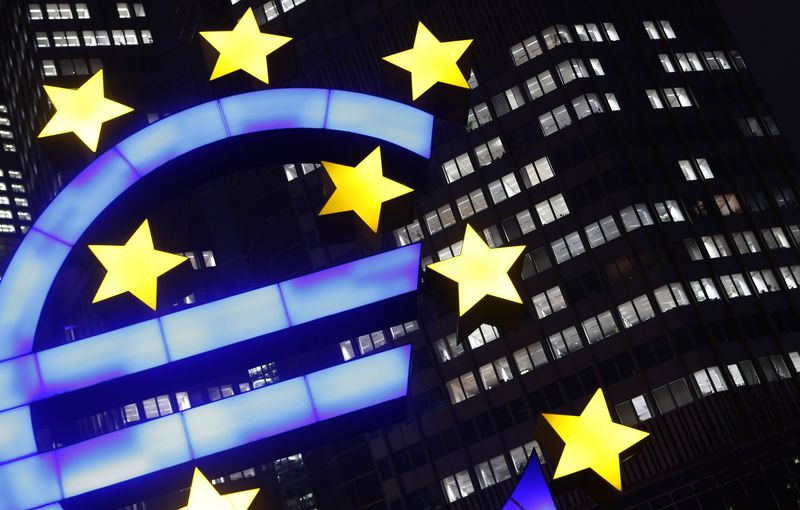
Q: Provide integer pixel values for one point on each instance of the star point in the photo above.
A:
(362, 189)
(244, 48)
(593, 441)
(203, 496)
(134, 267)
(431, 61)
(82, 111)
(480, 271)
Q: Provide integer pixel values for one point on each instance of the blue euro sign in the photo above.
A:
(30, 478)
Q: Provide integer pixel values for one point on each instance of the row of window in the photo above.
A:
(556, 35)
(375, 340)
(584, 105)
(675, 97)
(691, 61)
(270, 8)
(716, 246)
(70, 39)
(81, 11)
(71, 67)
(753, 127)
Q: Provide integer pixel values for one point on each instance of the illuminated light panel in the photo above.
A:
(85, 197)
(266, 110)
(29, 483)
(24, 288)
(361, 383)
(394, 122)
(122, 455)
(173, 136)
(351, 285)
(224, 322)
(250, 416)
(102, 358)
(16, 436)
(50, 507)
(19, 382)
(531, 492)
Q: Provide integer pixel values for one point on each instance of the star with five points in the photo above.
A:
(431, 61)
(82, 111)
(204, 496)
(362, 189)
(593, 441)
(134, 267)
(480, 271)
(245, 47)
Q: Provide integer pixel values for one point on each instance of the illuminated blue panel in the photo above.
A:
(16, 434)
(173, 136)
(29, 483)
(78, 204)
(122, 455)
(348, 286)
(361, 383)
(102, 358)
(532, 492)
(266, 110)
(19, 382)
(380, 118)
(24, 288)
(248, 417)
(55, 506)
(224, 322)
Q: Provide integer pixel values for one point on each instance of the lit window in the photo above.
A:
(138, 10)
(709, 381)
(530, 357)
(677, 97)
(130, 38)
(5, 214)
(597, 67)
(635, 216)
(734, 285)
(147, 37)
(448, 348)
(471, 203)
(457, 486)
(655, 99)
(602, 231)
(670, 296)
(784, 198)
(651, 30)
(746, 242)
(634, 411)
(4, 200)
(548, 302)
(554, 120)
(208, 259)
(728, 204)
(493, 471)
(738, 61)
(462, 388)
(668, 211)
(689, 62)
(82, 11)
(518, 225)
(666, 26)
(567, 247)
(613, 104)
(586, 105)
(666, 63)
(716, 246)
(35, 11)
(554, 36)
(599, 327)
(588, 33)
(7, 229)
(635, 311)
(492, 374)
(716, 60)
(509, 100)
(552, 209)
(131, 413)
(59, 39)
(439, 219)
(42, 41)
(503, 188)
(123, 10)
(525, 50)
(119, 37)
(72, 39)
(477, 116)
(571, 69)
(764, 281)
(18, 188)
(408, 234)
(271, 10)
(565, 342)
(791, 276)
(540, 85)
(9, 147)
(775, 238)
(750, 127)
(457, 168)
(611, 31)
(490, 151)
(472, 81)
(536, 172)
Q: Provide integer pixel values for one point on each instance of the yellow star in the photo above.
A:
(245, 47)
(431, 61)
(480, 271)
(82, 111)
(361, 189)
(204, 496)
(593, 441)
(133, 267)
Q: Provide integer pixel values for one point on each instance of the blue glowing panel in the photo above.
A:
(380, 118)
(123, 455)
(55, 506)
(19, 382)
(248, 417)
(266, 110)
(361, 383)
(224, 322)
(85, 197)
(532, 492)
(173, 136)
(29, 483)
(16, 434)
(351, 285)
(24, 288)
(102, 358)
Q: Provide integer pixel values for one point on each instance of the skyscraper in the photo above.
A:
(624, 143)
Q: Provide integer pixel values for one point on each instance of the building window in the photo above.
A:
(634, 411)
(635, 216)
(526, 50)
(554, 36)
(490, 151)
(552, 209)
(147, 36)
(599, 327)
(540, 85)
(651, 30)
(709, 381)
(728, 204)
(602, 231)
(471, 203)
(565, 342)
(448, 348)
(734, 285)
(457, 168)
(472, 81)
(572, 69)
(567, 247)
(670, 296)
(462, 388)
(588, 33)
(509, 100)
(493, 471)
(655, 99)
(138, 10)
(613, 104)
(671, 396)
(611, 32)
(666, 63)
(370, 342)
(784, 198)
(457, 486)
(530, 357)
(746, 242)
(477, 116)
(689, 62)
(775, 238)
(586, 105)
(82, 11)
(635, 311)
(791, 276)
(492, 374)
(716, 60)
(536, 172)
(35, 12)
(554, 120)
(677, 97)
(482, 336)
(439, 219)
(750, 127)
(518, 225)
(521, 454)
(503, 188)
(7, 229)
(764, 281)
(535, 262)
(408, 234)
(716, 246)
(691, 171)
(123, 11)
(548, 302)
(42, 41)
(668, 211)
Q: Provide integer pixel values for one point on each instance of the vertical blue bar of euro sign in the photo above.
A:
(173, 136)
(85, 197)
(29, 483)
(248, 417)
(381, 118)
(531, 492)
(348, 286)
(224, 322)
(122, 455)
(102, 358)
(265, 110)
(24, 289)
(360, 384)
(16, 434)
(19, 382)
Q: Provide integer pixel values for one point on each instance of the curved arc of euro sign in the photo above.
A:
(30, 479)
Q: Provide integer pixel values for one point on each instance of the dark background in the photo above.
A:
(768, 33)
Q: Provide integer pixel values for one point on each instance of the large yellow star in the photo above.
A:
(361, 189)
(245, 47)
(431, 61)
(134, 267)
(204, 496)
(82, 111)
(480, 271)
(593, 441)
